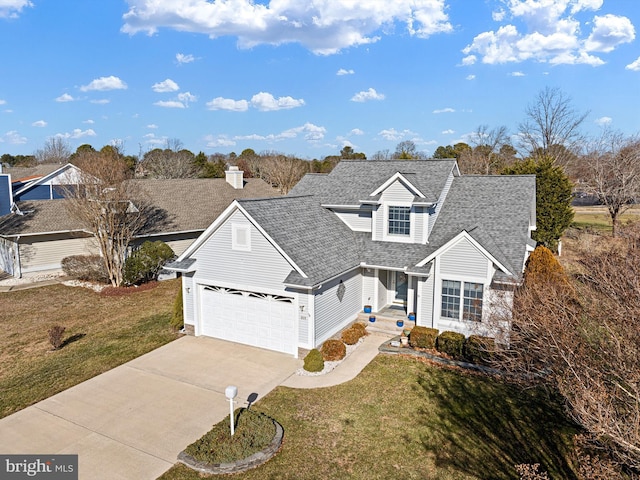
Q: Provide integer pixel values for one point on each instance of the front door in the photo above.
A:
(400, 288)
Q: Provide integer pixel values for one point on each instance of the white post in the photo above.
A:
(230, 392)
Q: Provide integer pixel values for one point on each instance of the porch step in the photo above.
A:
(384, 324)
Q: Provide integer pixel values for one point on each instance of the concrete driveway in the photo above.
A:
(131, 422)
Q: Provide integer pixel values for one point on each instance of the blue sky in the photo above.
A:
(306, 77)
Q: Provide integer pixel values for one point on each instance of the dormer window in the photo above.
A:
(399, 220)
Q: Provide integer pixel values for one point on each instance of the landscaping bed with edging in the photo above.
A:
(238, 466)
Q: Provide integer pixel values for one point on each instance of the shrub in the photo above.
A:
(361, 327)
(254, 431)
(544, 268)
(145, 264)
(423, 337)
(351, 335)
(85, 267)
(450, 343)
(333, 350)
(55, 336)
(314, 362)
(177, 319)
(479, 350)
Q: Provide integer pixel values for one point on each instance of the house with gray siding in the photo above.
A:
(290, 272)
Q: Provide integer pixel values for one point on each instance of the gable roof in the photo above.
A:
(39, 180)
(22, 174)
(179, 205)
(352, 181)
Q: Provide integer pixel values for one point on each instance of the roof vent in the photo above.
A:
(234, 177)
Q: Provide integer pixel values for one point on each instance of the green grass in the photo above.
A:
(402, 418)
(253, 433)
(101, 333)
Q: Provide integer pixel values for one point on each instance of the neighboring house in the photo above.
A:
(290, 272)
(42, 182)
(38, 234)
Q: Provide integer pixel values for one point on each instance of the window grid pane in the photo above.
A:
(472, 306)
(399, 220)
(450, 299)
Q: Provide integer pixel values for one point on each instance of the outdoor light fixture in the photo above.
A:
(231, 392)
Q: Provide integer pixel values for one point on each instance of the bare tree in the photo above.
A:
(109, 205)
(382, 155)
(486, 157)
(552, 122)
(282, 171)
(611, 171)
(172, 162)
(580, 336)
(55, 150)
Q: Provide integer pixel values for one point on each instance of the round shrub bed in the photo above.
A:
(257, 438)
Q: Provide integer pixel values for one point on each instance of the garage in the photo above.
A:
(251, 318)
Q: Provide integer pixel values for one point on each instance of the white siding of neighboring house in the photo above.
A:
(331, 314)
(261, 269)
(8, 262)
(45, 252)
(358, 220)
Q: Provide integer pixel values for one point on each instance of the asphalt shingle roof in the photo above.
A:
(354, 180)
(182, 205)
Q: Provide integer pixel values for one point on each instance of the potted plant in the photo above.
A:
(367, 309)
(404, 340)
(412, 316)
(372, 318)
(399, 323)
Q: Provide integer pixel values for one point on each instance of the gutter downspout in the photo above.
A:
(18, 263)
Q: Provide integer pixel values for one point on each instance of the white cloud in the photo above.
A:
(39, 123)
(89, 122)
(448, 132)
(13, 137)
(229, 104)
(100, 101)
(310, 132)
(323, 27)
(170, 104)
(517, 74)
(181, 58)
(77, 133)
(13, 8)
(367, 95)
(65, 97)
(3, 102)
(342, 71)
(471, 77)
(104, 83)
(166, 86)
(608, 32)
(219, 141)
(395, 135)
(635, 65)
(187, 97)
(356, 131)
(604, 121)
(444, 110)
(547, 31)
(266, 102)
(152, 126)
(498, 15)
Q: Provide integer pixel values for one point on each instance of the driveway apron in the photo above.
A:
(131, 422)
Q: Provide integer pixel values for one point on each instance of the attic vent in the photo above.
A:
(241, 237)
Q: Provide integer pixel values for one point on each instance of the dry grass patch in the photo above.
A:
(101, 332)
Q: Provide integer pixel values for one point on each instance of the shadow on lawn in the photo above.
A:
(72, 338)
(485, 428)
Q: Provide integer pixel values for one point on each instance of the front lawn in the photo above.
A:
(403, 418)
(102, 332)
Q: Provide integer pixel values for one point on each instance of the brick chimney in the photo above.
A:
(234, 177)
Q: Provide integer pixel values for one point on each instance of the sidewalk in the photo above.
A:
(350, 367)
(33, 280)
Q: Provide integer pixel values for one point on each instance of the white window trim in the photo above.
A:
(235, 229)
(386, 236)
(455, 278)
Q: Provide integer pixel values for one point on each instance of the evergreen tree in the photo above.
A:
(554, 213)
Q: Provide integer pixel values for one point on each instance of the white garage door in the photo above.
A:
(251, 318)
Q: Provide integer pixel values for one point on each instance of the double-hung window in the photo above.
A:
(467, 294)
(399, 220)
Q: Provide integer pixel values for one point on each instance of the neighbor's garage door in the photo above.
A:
(251, 318)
